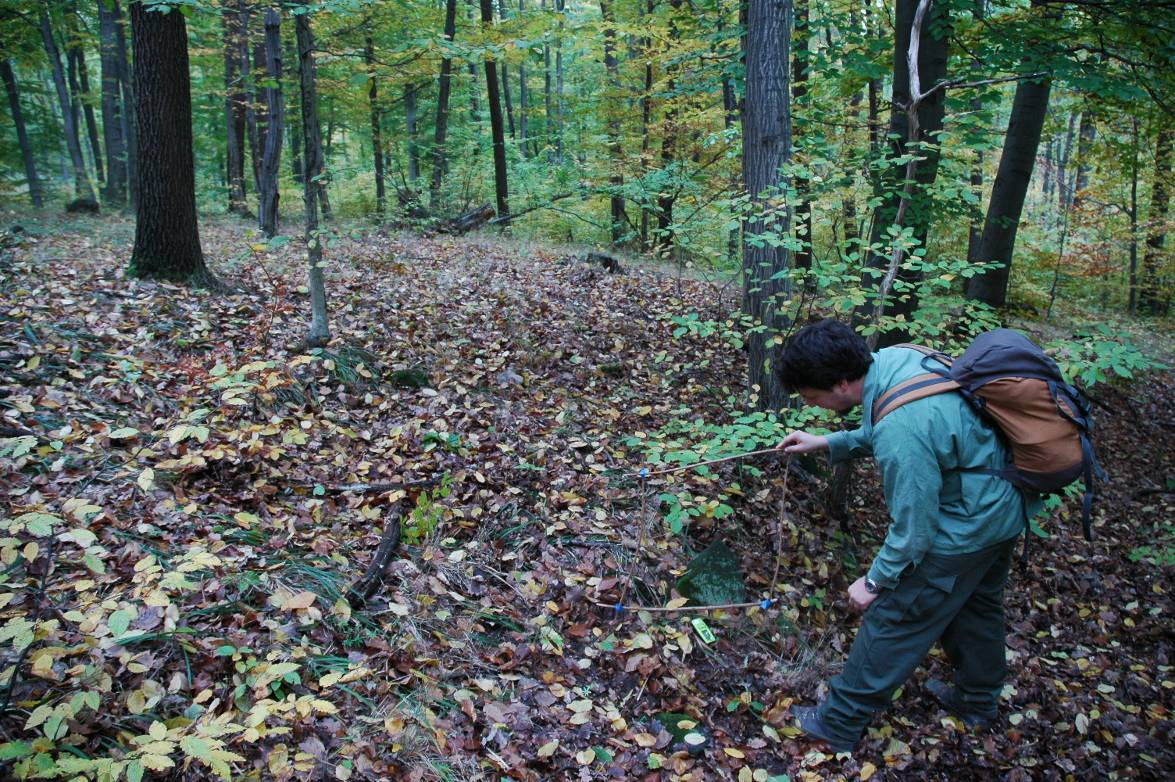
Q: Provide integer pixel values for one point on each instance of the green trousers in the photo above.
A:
(957, 600)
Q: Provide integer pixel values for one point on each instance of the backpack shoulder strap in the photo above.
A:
(928, 352)
(917, 387)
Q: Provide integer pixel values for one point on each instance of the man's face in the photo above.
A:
(839, 398)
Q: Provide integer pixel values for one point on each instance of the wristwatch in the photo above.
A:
(871, 586)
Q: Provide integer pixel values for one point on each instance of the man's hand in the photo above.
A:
(802, 442)
(859, 596)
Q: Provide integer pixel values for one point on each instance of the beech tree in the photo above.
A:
(167, 238)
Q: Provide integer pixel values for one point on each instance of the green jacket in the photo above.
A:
(922, 449)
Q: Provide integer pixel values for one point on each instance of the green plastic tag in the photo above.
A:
(703, 630)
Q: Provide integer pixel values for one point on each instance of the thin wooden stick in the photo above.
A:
(642, 474)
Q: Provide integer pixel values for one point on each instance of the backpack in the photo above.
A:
(1045, 422)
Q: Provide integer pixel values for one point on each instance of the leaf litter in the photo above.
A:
(188, 498)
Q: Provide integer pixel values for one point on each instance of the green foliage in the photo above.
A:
(1100, 355)
(1161, 553)
(427, 513)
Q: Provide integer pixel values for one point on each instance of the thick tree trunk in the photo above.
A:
(932, 69)
(82, 185)
(766, 147)
(269, 194)
(234, 113)
(441, 126)
(377, 147)
(1153, 299)
(26, 150)
(318, 334)
(1029, 108)
(112, 109)
(410, 129)
(167, 238)
(501, 186)
(612, 107)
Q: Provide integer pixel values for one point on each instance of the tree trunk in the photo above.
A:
(130, 122)
(496, 129)
(559, 114)
(410, 128)
(1153, 299)
(1029, 108)
(612, 108)
(81, 180)
(441, 126)
(1086, 136)
(803, 255)
(1132, 304)
(234, 113)
(167, 238)
(647, 124)
(766, 147)
(932, 69)
(318, 334)
(80, 84)
(523, 97)
(295, 109)
(244, 59)
(112, 109)
(26, 150)
(269, 194)
(377, 147)
(1064, 189)
(665, 241)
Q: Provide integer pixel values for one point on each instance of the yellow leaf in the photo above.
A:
(677, 602)
(157, 731)
(548, 749)
(587, 757)
(867, 770)
(324, 707)
(156, 762)
(300, 600)
(744, 775)
(734, 753)
(146, 479)
(645, 740)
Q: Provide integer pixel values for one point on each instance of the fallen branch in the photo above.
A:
(507, 219)
(373, 579)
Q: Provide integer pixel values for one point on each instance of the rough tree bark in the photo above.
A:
(318, 334)
(441, 127)
(167, 238)
(799, 91)
(501, 185)
(26, 150)
(82, 186)
(269, 195)
(766, 147)
(113, 135)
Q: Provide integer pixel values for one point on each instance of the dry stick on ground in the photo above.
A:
(373, 579)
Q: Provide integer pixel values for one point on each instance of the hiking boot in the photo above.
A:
(948, 697)
(814, 729)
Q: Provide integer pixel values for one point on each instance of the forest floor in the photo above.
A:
(188, 497)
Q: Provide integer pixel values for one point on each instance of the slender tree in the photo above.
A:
(81, 179)
(377, 147)
(410, 130)
(26, 150)
(130, 122)
(234, 111)
(799, 91)
(766, 148)
(441, 127)
(113, 127)
(167, 237)
(274, 124)
(501, 184)
(318, 334)
(619, 219)
(523, 96)
(83, 103)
